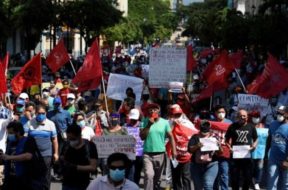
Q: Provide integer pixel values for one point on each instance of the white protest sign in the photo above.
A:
(254, 103)
(107, 145)
(209, 144)
(117, 85)
(166, 64)
(145, 71)
(241, 151)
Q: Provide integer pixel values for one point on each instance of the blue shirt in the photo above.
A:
(279, 143)
(259, 152)
(4, 112)
(61, 118)
(43, 135)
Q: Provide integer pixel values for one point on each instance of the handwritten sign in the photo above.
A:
(241, 151)
(117, 85)
(166, 64)
(209, 144)
(134, 131)
(106, 145)
(254, 103)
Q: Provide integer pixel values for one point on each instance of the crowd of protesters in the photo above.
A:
(50, 134)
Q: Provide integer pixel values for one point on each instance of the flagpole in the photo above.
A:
(105, 98)
(72, 67)
(240, 80)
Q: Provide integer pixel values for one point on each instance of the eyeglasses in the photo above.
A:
(117, 167)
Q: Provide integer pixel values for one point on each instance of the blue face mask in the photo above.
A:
(81, 123)
(40, 118)
(117, 175)
(12, 138)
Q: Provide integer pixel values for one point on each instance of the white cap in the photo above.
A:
(23, 96)
(134, 114)
(70, 95)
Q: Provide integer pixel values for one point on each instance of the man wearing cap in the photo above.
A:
(278, 156)
(154, 131)
(242, 135)
(182, 130)
(24, 96)
(63, 93)
(70, 107)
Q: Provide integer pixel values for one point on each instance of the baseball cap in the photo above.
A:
(20, 102)
(57, 100)
(205, 126)
(70, 96)
(23, 96)
(134, 114)
(153, 106)
(176, 109)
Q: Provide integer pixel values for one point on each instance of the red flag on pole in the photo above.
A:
(3, 86)
(89, 75)
(191, 62)
(30, 74)
(219, 69)
(57, 57)
(236, 59)
(272, 81)
(4, 62)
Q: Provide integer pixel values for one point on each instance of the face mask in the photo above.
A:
(57, 108)
(221, 115)
(81, 123)
(114, 122)
(154, 115)
(40, 118)
(45, 94)
(255, 120)
(117, 175)
(71, 102)
(241, 121)
(74, 143)
(12, 137)
(20, 109)
(280, 118)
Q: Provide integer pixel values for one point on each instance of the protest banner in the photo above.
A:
(107, 145)
(45, 85)
(117, 85)
(254, 103)
(134, 131)
(167, 64)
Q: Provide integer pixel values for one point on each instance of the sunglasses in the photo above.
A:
(117, 167)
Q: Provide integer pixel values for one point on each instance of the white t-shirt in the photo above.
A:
(87, 133)
(3, 133)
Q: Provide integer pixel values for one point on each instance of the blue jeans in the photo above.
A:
(204, 175)
(258, 165)
(277, 176)
(222, 179)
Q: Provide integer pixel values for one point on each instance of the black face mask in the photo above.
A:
(114, 123)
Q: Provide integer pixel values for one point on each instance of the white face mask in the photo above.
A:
(45, 94)
(280, 118)
(255, 120)
(221, 115)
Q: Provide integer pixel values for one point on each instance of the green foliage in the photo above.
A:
(146, 21)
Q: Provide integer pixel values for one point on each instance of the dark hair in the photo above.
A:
(218, 107)
(74, 129)
(117, 156)
(130, 102)
(40, 106)
(82, 105)
(129, 89)
(30, 103)
(17, 127)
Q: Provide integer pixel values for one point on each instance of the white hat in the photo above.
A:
(70, 95)
(134, 114)
(23, 96)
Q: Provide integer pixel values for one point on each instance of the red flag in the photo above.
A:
(191, 63)
(206, 52)
(272, 81)
(210, 89)
(3, 86)
(236, 59)
(57, 57)
(4, 62)
(89, 75)
(219, 69)
(30, 74)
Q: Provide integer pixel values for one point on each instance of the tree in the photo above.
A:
(4, 25)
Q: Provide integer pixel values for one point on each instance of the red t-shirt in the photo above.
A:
(63, 95)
